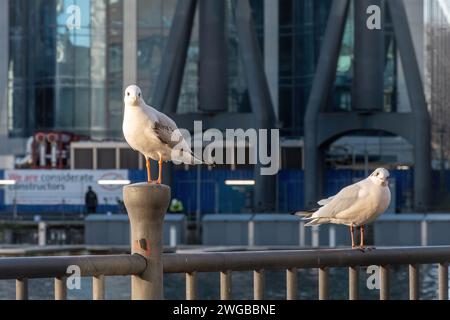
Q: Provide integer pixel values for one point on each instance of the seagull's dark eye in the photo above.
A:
(376, 174)
(139, 95)
(128, 93)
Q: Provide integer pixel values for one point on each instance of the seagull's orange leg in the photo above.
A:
(159, 171)
(352, 235)
(149, 175)
(361, 229)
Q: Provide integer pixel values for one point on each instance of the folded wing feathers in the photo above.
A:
(331, 206)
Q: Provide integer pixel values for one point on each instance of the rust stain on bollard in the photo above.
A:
(142, 245)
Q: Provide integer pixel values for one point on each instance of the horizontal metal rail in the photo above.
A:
(55, 267)
(276, 259)
(322, 260)
(24, 268)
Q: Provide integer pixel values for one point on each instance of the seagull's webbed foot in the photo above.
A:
(362, 248)
(367, 248)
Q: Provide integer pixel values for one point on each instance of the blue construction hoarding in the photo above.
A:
(217, 197)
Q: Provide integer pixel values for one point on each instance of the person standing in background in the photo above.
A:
(90, 201)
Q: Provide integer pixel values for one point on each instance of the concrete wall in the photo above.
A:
(225, 229)
(287, 230)
(268, 230)
(278, 230)
(102, 229)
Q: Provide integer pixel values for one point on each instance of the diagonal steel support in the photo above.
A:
(213, 84)
(261, 103)
(421, 118)
(252, 61)
(168, 86)
(321, 88)
(416, 125)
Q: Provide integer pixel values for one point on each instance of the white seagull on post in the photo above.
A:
(355, 205)
(153, 134)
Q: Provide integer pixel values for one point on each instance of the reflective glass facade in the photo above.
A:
(302, 26)
(154, 22)
(65, 67)
(70, 78)
(341, 98)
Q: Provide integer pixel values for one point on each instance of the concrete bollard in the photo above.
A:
(146, 206)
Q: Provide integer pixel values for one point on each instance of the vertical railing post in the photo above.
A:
(301, 234)
(258, 284)
(191, 285)
(22, 289)
(414, 286)
(353, 283)
(60, 288)
(251, 232)
(443, 281)
(98, 287)
(323, 283)
(146, 206)
(291, 284)
(225, 285)
(384, 283)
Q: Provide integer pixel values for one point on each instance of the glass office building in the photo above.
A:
(65, 66)
(66, 63)
(301, 28)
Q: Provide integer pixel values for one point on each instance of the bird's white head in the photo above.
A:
(133, 96)
(380, 176)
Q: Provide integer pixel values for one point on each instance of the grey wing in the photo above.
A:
(167, 131)
(343, 200)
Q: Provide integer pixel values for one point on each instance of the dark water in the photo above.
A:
(242, 285)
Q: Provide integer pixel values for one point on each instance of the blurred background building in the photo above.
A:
(62, 73)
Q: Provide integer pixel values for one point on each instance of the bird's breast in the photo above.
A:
(138, 132)
(385, 199)
(134, 130)
(382, 200)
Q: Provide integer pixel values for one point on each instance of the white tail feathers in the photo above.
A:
(309, 216)
(191, 159)
(315, 221)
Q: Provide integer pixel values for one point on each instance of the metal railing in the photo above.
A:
(323, 260)
(98, 267)
(146, 205)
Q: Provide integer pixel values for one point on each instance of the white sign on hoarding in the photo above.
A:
(50, 187)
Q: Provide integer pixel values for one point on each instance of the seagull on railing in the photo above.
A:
(153, 134)
(355, 205)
